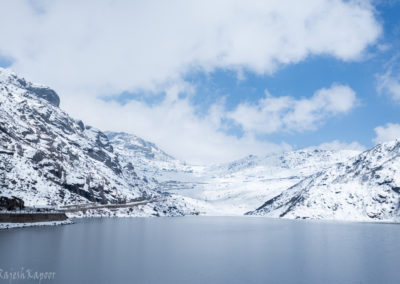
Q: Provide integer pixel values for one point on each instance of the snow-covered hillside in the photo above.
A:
(149, 160)
(49, 158)
(366, 187)
(227, 189)
(238, 187)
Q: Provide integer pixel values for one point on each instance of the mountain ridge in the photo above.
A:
(364, 188)
(50, 159)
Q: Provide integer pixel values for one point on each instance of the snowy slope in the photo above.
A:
(227, 189)
(366, 187)
(149, 160)
(49, 158)
(162, 172)
(238, 187)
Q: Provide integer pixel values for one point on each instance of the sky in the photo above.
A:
(213, 81)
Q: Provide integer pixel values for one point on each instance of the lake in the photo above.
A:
(205, 250)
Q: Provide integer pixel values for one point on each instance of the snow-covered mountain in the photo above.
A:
(238, 187)
(49, 158)
(150, 161)
(225, 189)
(366, 187)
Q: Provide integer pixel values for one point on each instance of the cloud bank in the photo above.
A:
(388, 132)
(337, 145)
(108, 46)
(90, 49)
(272, 114)
(173, 122)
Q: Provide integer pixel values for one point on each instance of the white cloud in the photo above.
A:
(340, 145)
(390, 131)
(89, 49)
(103, 46)
(272, 114)
(389, 83)
(173, 125)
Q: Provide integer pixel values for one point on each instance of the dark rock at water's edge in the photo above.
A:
(12, 203)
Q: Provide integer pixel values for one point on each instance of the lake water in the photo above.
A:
(205, 250)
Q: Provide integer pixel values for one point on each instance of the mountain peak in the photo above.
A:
(363, 188)
(9, 78)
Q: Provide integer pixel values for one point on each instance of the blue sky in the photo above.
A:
(301, 80)
(194, 79)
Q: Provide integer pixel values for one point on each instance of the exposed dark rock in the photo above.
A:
(47, 94)
(396, 189)
(81, 125)
(38, 157)
(78, 189)
(12, 203)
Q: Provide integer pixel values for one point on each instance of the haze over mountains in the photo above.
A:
(49, 158)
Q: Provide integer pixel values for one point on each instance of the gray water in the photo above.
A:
(205, 250)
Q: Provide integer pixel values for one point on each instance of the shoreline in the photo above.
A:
(6, 226)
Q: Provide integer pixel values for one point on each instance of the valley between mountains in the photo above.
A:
(50, 159)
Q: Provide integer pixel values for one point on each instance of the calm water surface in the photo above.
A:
(206, 250)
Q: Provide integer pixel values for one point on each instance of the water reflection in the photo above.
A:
(206, 250)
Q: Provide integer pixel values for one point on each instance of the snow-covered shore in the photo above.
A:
(4, 226)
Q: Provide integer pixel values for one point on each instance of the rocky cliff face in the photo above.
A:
(47, 157)
(366, 187)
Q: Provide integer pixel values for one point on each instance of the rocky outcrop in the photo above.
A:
(49, 158)
(12, 203)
